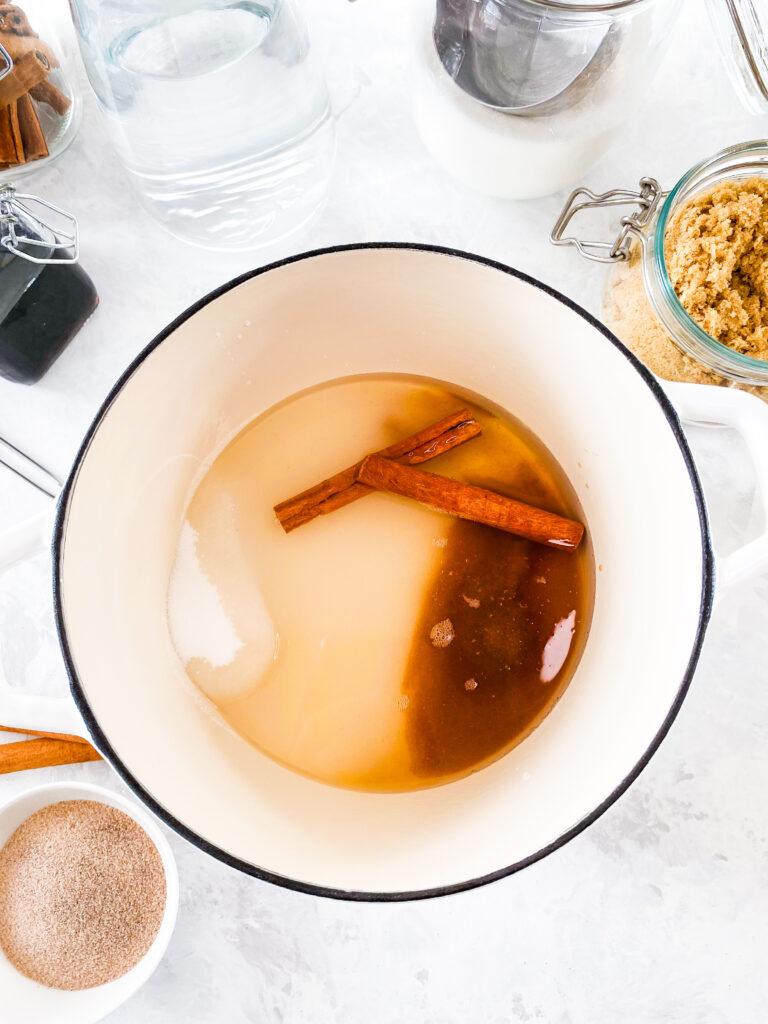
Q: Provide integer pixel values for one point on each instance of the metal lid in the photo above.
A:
(36, 230)
(742, 30)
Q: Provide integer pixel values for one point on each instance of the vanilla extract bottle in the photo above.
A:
(45, 296)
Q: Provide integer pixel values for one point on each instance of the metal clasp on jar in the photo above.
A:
(7, 65)
(646, 199)
(61, 231)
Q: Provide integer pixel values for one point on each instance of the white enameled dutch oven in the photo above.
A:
(412, 310)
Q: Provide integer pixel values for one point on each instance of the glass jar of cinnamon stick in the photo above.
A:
(39, 103)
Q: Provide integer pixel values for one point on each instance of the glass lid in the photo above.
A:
(742, 30)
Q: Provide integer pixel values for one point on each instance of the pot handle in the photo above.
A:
(18, 709)
(32, 535)
(38, 715)
(24, 540)
(723, 406)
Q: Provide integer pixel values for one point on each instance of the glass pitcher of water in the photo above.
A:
(217, 110)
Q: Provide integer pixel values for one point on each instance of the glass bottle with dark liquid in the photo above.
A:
(45, 297)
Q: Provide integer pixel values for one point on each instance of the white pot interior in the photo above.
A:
(354, 312)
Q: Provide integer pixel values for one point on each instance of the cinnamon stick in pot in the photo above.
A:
(345, 487)
(470, 502)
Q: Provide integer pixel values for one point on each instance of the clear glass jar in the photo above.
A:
(741, 28)
(218, 111)
(639, 248)
(518, 98)
(39, 99)
(744, 161)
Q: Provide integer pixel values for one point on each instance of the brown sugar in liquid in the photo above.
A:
(385, 646)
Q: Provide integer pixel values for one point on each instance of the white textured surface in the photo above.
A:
(657, 915)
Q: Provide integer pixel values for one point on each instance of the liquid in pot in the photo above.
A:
(384, 646)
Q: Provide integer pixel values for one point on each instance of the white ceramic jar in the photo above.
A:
(516, 156)
(518, 98)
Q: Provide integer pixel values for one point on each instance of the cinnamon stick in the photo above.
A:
(7, 141)
(11, 147)
(47, 92)
(13, 109)
(27, 72)
(44, 753)
(470, 502)
(49, 735)
(32, 138)
(21, 39)
(345, 487)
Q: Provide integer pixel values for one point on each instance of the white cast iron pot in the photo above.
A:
(412, 310)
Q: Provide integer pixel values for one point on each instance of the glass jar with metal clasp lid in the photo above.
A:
(45, 296)
(641, 305)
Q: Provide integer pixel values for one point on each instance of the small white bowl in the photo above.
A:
(23, 999)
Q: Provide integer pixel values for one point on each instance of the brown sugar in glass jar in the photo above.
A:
(686, 293)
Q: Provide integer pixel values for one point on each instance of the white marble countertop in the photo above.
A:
(657, 914)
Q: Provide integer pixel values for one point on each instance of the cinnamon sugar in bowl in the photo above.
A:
(82, 894)
(88, 901)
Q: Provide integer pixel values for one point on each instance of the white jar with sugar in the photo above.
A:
(518, 98)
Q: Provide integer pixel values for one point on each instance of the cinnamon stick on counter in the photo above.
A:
(44, 753)
(470, 502)
(345, 487)
(48, 735)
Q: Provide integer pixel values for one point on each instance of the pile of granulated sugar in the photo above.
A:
(82, 895)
